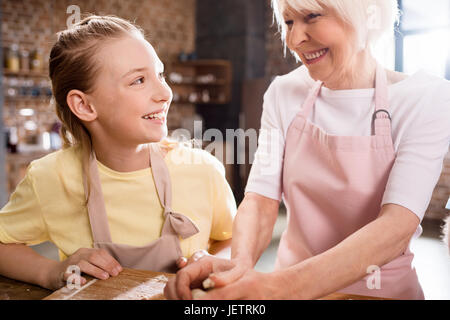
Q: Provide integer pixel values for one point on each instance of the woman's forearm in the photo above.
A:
(377, 243)
(253, 227)
(20, 262)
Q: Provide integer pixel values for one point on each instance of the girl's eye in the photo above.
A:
(162, 76)
(139, 81)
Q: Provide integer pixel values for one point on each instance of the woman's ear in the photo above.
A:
(80, 106)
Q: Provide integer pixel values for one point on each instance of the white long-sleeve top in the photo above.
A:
(420, 112)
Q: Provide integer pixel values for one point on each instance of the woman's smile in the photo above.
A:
(315, 56)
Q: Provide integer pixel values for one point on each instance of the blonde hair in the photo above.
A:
(369, 19)
(73, 65)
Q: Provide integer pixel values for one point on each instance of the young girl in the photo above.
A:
(116, 195)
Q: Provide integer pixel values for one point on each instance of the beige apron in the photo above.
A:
(160, 255)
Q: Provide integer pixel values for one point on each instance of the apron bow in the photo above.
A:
(181, 224)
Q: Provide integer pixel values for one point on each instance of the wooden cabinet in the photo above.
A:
(201, 81)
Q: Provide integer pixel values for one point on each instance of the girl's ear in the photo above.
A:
(80, 106)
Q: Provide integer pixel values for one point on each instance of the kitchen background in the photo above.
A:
(220, 57)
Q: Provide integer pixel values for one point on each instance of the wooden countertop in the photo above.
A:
(128, 285)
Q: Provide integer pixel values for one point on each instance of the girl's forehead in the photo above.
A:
(127, 53)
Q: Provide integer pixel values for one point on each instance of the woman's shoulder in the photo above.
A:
(290, 87)
(297, 77)
(421, 80)
(424, 90)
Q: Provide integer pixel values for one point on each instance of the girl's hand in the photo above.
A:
(94, 262)
(183, 261)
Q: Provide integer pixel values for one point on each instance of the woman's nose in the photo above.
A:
(297, 35)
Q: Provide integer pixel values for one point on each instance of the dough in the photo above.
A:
(197, 293)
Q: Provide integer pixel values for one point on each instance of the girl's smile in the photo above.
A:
(158, 117)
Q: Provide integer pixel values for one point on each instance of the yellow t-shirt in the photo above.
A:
(48, 204)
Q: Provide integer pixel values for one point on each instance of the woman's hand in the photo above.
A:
(251, 285)
(94, 262)
(199, 268)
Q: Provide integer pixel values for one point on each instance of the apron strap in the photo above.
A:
(174, 222)
(381, 119)
(96, 204)
(310, 99)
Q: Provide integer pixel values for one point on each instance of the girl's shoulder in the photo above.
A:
(189, 156)
(63, 159)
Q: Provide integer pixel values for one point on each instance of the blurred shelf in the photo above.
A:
(8, 99)
(219, 82)
(198, 102)
(203, 63)
(196, 78)
(37, 74)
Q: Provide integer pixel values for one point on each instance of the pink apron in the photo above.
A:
(160, 255)
(333, 186)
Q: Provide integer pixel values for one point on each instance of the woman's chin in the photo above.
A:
(317, 74)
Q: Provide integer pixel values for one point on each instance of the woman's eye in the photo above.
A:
(162, 76)
(138, 81)
(289, 22)
(312, 16)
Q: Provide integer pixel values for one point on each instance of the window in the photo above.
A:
(423, 41)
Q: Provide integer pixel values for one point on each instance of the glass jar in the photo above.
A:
(24, 60)
(37, 60)
(12, 59)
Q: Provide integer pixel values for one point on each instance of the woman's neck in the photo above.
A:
(360, 74)
(122, 159)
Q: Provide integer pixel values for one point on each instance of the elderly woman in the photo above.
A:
(358, 154)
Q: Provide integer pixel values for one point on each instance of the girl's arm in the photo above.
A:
(20, 262)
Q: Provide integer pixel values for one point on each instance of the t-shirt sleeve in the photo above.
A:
(21, 219)
(265, 174)
(224, 204)
(420, 157)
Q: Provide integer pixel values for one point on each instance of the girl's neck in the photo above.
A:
(123, 159)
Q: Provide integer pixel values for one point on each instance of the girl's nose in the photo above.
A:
(162, 92)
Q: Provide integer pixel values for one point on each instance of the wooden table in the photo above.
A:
(128, 285)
